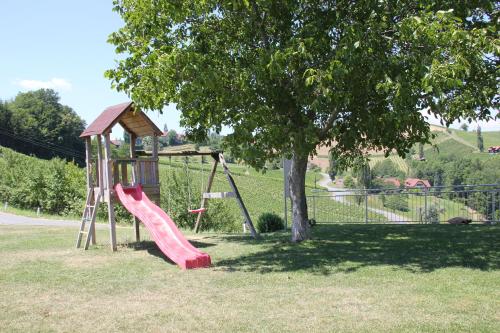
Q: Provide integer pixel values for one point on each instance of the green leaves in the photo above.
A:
(289, 75)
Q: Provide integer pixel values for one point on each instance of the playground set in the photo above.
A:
(134, 182)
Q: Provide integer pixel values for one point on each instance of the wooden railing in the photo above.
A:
(128, 172)
(131, 171)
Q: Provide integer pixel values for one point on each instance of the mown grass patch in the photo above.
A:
(349, 278)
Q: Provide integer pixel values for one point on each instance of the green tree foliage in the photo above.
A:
(480, 141)
(464, 127)
(421, 154)
(5, 123)
(289, 75)
(332, 167)
(42, 126)
(349, 182)
(364, 175)
(147, 142)
(55, 186)
(387, 168)
(172, 138)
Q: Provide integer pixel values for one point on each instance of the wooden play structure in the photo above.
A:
(134, 180)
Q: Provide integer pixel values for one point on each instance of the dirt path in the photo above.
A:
(341, 195)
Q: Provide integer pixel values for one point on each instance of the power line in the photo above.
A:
(45, 145)
(40, 141)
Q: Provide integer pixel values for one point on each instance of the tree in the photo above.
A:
(332, 167)
(480, 142)
(172, 138)
(421, 154)
(147, 142)
(126, 137)
(287, 76)
(5, 125)
(464, 127)
(42, 126)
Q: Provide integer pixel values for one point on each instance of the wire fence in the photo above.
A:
(477, 203)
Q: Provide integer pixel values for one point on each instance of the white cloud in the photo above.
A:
(54, 83)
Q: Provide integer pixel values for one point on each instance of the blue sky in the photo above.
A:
(62, 45)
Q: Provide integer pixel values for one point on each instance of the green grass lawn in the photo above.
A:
(350, 278)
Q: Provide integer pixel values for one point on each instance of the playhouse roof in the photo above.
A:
(133, 121)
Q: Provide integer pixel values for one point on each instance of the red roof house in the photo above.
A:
(417, 183)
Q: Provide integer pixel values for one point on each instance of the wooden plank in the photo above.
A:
(243, 209)
(155, 173)
(219, 195)
(84, 218)
(204, 200)
(116, 173)
(111, 212)
(133, 138)
(88, 160)
(91, 233)
(100, 164)
(124, 173)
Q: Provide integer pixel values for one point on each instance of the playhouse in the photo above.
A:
(134, 183)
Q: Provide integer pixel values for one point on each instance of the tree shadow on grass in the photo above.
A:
(347, 248)
(152, 248)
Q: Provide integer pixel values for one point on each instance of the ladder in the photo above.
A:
(89, 215)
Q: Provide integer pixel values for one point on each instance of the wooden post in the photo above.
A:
(133, 138)
(90, 183)
(109, 186)
(204, 200)
(243, 209)
(156, 177)
(100, 164)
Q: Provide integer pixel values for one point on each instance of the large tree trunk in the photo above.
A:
(300, 224)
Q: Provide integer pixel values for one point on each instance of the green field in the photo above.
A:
(489, 138)
(349, 278)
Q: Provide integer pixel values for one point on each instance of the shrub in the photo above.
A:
(396, 202)
(349, 182)
(269, 222)
(432, 215)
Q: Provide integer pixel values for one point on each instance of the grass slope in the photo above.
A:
(489, 138)
(350, 278)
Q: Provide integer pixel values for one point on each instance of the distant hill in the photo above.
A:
(447, 141)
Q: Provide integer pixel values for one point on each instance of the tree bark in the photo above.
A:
(300, 224)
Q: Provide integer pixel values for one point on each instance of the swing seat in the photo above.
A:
(196, 211)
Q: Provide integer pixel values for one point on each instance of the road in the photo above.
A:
(340, 195)
(11, 219)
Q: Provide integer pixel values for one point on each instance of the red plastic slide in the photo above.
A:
(162, 229)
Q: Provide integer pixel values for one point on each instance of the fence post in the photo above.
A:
(5, 205)
(314, 207)
(426, 220)
(493, 206)
(366, 206)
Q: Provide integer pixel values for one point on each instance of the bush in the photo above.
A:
(269, 222)
(396, 202)
(349, 182)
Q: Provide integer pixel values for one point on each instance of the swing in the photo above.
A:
(197, 210)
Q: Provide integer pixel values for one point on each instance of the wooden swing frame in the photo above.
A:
(218, 158)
